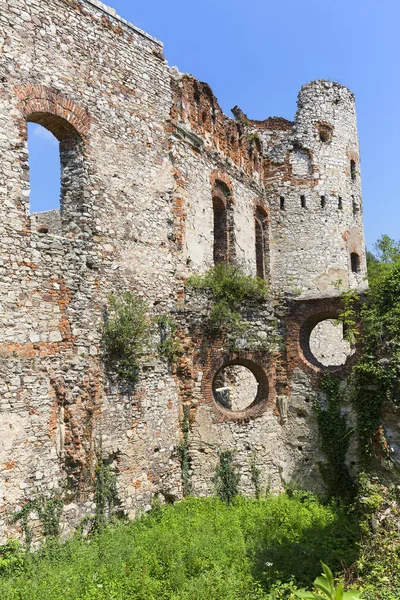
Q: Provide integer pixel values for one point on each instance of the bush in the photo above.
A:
(229, 287)
(11, 558)
(125, 336)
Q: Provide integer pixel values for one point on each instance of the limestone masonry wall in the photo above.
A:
(157, 184)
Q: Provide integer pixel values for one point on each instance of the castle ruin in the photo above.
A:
(157, 184)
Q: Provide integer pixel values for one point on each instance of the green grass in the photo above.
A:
(198, 549)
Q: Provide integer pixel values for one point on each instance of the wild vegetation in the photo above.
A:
(230, 547)
(230, 290)
(126, 333)
(196, 549)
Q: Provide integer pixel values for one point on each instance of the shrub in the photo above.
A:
(125, 336)
(229, 287)
(11, 558)
(378, 566)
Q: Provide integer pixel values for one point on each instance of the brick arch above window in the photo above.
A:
(219, 177)
(55, 111)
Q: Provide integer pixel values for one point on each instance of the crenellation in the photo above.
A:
(157, 184)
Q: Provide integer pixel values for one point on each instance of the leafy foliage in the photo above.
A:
(348, 316)
(183, 452)
(229, 287)
(255, 477)
(335, 439)
(11, 558)
(377, 374)
(198, 549)
(125, 335)
(169, 346)
(325, 589)
(378, 566)
(226, 477)
(48, 510)
(106, 496)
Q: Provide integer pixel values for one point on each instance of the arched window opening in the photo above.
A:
(57, 169)
(260, 226)
(44, 169)
(303, 202)
(323, 201)
(355, 262)
(220, 231)
(282, 202)
(340, 203)
(353, 171)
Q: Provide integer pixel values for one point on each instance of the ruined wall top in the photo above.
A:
(111, 12)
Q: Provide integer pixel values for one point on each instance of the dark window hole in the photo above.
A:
(353, 171)
(355, 262)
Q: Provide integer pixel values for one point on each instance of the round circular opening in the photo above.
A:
(235, 387)
(327, 344)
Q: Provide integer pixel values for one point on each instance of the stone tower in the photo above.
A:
(316, 208)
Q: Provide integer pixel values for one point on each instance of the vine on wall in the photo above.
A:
(183, 452)
(48, 510)
(169, 345)
(348, 316)
(226, 477)
(335, 439)
(106, 495)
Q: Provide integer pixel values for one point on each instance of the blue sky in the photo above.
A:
(257, 54)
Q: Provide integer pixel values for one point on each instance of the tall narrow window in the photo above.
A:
(355, 207)
(44, 169)
(353, 171)
(323, 201)
(355, 262)
(220, 231)
(303, 202)
(260, 227)
(340, 203)
(282, 202)
(58, 174)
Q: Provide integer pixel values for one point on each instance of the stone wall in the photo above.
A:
(149, 162)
